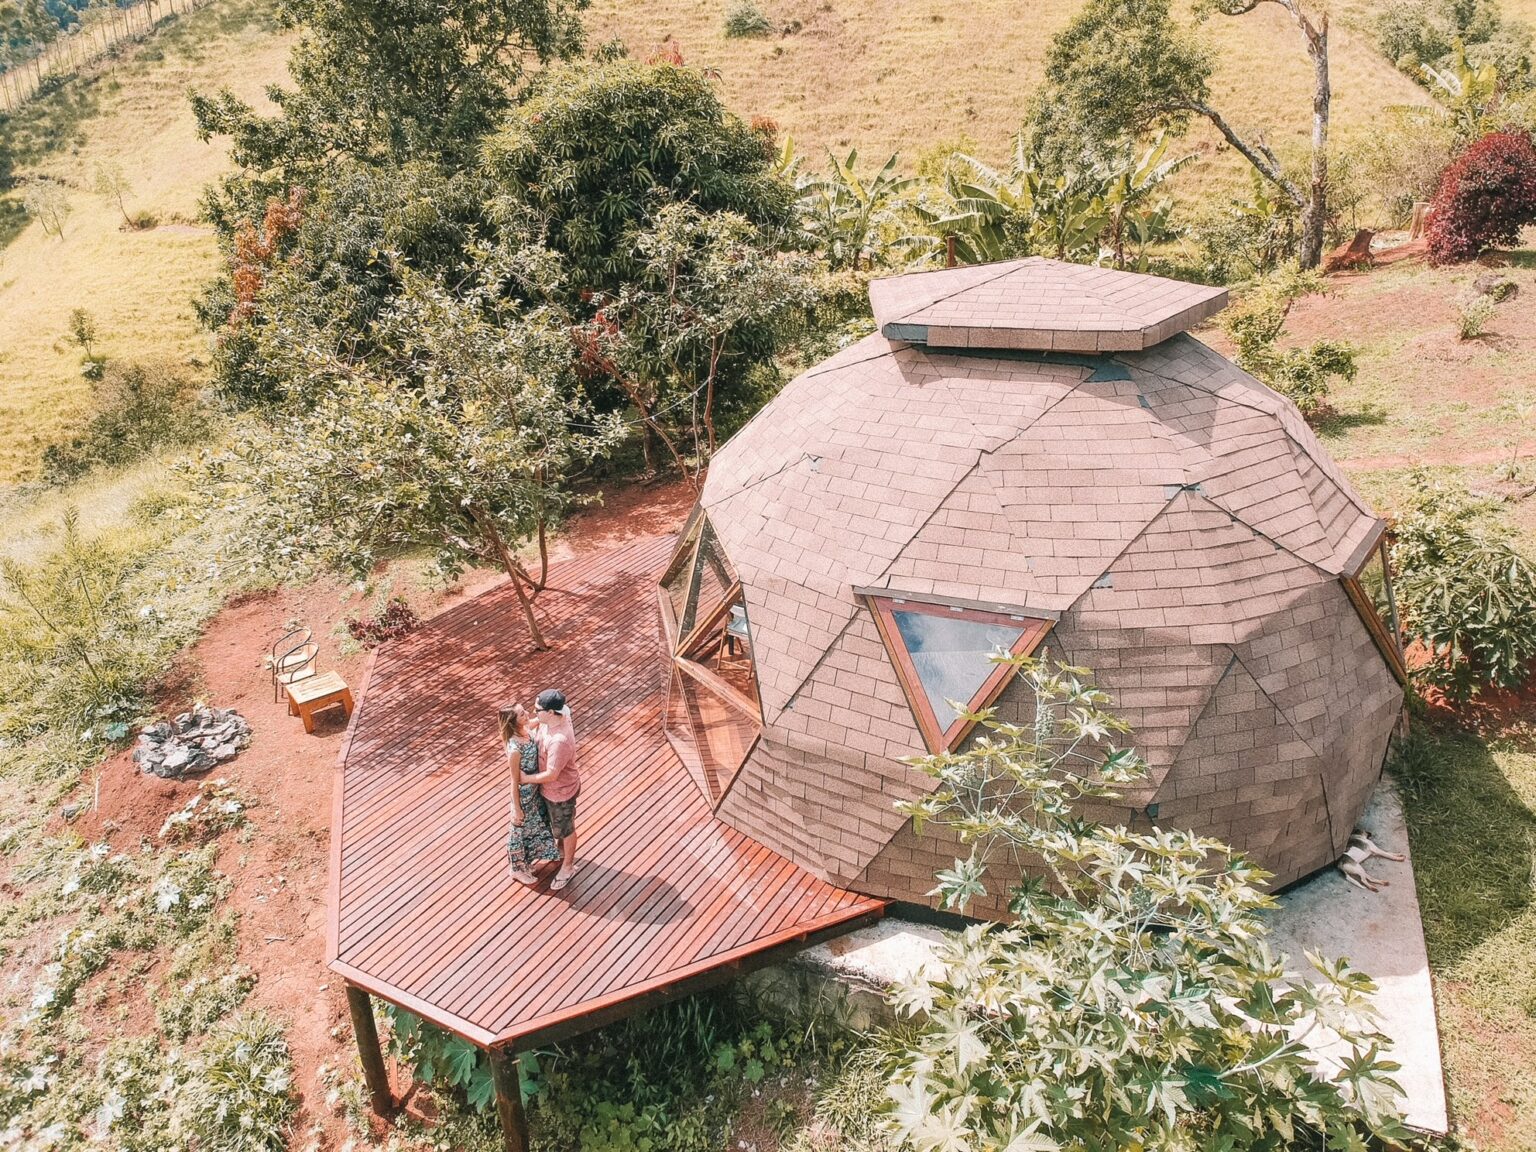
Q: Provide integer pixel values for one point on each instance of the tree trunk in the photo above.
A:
(1315, 218)
(515, 570)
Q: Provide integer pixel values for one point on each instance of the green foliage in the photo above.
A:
(598, 148)
(1473, 314)
(746, 19)
(1424, 37)
(1250, 237)
(73, 649)
(1302, 375)
(47, 201)
(1135, 1002)
(1464, 592)
(138, 407)
(668, 1081)
(216, 808)
(1099, 210)
(448, 1061)
(463, 436)
(240, 1097)
(710, 292)
(848, 218)
(385, 81)
(1120, 70)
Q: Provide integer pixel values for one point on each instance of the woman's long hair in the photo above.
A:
(513, 720)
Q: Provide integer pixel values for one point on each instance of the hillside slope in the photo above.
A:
(904, 75)
(138, 285)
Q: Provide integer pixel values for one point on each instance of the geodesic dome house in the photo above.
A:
(1029, 456)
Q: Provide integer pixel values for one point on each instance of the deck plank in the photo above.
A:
(422, 908)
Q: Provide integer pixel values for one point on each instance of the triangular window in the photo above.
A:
(1370, 590)
(945, 656)
(713, 716)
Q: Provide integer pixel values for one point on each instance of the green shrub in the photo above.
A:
(137, 408)
(239, 1094)
(1302, 375)
(747, 19)
(75, 649)
(1472, 315)
(1464, 592)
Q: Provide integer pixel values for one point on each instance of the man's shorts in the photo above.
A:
(562, 816)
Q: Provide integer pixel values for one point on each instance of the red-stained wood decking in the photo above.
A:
(422, 910)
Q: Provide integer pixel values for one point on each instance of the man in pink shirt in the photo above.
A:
(557, 777)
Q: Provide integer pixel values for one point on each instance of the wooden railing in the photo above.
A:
(97, 36)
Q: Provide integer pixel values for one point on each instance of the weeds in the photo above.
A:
(239, 1097)
(746, 19)
(1473, 315)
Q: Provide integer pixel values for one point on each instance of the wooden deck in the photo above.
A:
(422, 911)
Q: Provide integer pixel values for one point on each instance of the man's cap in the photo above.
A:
(551, 700)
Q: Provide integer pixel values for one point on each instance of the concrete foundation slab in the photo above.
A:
(1383, 936)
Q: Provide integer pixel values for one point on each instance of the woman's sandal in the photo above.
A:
(526, 879)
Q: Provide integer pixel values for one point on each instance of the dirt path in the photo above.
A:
(279, 871)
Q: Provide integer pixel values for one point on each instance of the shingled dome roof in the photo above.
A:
(903, 510)
(1040, 304)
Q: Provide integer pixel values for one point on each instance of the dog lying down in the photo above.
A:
(1362, 848)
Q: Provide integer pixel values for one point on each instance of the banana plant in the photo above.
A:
(1471, 94)
(1132, 183)
(844, 213)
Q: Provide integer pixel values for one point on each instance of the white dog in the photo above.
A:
(1362, 848)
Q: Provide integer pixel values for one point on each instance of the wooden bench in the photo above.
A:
(317, 693)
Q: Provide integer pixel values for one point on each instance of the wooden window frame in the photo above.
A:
(884, 607)
(1387, 640)
(681, 648)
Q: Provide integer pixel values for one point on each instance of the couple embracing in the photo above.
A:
(545, 785)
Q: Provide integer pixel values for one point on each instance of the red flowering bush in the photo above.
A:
(1486, 196)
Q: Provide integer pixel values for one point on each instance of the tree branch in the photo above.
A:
(1258, 153)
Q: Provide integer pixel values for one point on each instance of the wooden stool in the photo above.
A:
(317, 693)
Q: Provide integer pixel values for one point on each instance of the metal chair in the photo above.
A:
(292, 659)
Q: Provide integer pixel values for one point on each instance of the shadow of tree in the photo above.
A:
(1368, 415)
(1472, 838)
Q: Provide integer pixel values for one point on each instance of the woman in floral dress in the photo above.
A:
(530, 843)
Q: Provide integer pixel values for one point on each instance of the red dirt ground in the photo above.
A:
(279, 874)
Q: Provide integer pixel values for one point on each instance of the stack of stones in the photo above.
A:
(192, 743)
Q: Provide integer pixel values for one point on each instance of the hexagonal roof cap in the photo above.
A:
(1041, 305)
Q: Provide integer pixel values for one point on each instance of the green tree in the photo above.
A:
(1124, 68)
(1135, 1002)
(710, 290)
(389, 80)
(600, 147)
(461, 434)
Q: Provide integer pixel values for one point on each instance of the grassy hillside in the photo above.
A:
(138, 285)
(903, 75)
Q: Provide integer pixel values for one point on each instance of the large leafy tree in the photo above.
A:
(1123, 68)
(599, 148)
(388, 80)
(461, 434)
(1135, 1003)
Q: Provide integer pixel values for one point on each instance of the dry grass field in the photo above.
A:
(879, 75)
(905, 75)
(138, 285)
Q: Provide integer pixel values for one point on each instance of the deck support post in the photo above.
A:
(368, 1051)
(509, 1100)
